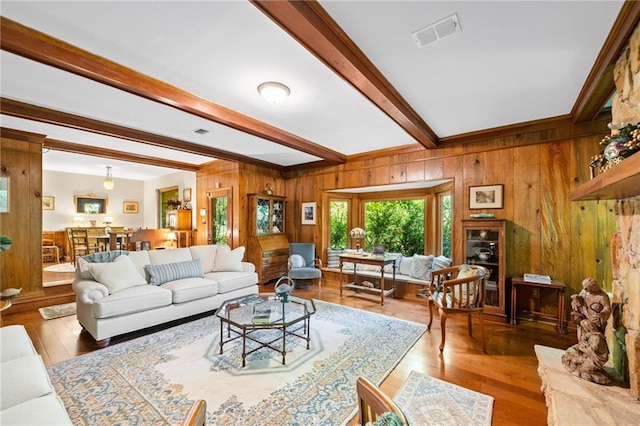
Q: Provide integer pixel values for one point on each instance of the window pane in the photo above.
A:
(398, 225)
(338, 212)
(446, 213)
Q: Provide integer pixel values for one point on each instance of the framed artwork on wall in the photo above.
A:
(485, 197)
(186, 194)
(308, 213)
(130, 207)
(48, 202)
(91, 204)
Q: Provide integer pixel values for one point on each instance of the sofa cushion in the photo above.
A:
(131, 300)
(333, 258)
(46, 410)
(160, 257)
(297, 261)
(160, 274)
(229, 281)
(23, 379)
(421, 267)
(206, 254)
(228, 260)
(117, 275)
(15, 343)
(187, 289)
(406, 265)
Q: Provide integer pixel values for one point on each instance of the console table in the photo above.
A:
(558, 286)
(378, 260)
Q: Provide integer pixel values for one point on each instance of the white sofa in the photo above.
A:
(120, 292)
(26, 394)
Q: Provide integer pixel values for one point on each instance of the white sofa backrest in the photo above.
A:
(140, 258)
(206, 254)
(162, 257)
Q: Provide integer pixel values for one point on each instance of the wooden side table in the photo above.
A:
(378, 260)
(560, 288)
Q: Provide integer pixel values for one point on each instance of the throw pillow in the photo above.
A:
(465, 271)
(117, 275)
(228, 260)
(441, 262)
(160, 274)
(333, 258)
(406, 264)
(297, 261)
(421, 268)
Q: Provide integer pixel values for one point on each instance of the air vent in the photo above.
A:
(436, 31)
(201, 131)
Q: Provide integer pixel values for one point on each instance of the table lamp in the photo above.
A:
(108, 221)
(172, 237)
(357, 234)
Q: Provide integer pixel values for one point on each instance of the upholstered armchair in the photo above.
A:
(303, 263)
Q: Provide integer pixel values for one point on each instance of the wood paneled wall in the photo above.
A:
(21, 161)
(549, 233)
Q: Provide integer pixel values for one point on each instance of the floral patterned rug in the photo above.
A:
(429, 401)
(155, 378)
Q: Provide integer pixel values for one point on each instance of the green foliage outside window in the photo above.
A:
(398, 225)
(338, 214)
(446, 213)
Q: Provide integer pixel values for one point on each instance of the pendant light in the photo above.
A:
(108, 181)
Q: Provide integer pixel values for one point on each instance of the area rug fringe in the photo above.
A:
(155, 378)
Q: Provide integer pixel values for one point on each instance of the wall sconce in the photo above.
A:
(203, 215)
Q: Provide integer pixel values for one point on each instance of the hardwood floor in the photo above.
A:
(508, 372)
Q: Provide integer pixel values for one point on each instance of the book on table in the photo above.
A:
(535, 278)
(261, 315)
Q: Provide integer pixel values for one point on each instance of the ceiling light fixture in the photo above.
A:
(108, 181)
(273, 91)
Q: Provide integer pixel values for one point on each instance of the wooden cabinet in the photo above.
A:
(484, 245)
(267, 245)
(179, 220)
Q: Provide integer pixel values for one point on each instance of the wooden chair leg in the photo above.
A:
(443, 320)
(484, 343)
(430, 314)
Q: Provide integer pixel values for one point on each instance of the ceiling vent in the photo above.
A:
(201, 131)
(436, 31)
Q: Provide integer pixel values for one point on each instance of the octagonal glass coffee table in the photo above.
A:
(244, 317)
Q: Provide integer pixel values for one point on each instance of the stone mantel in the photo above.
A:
(575, 401)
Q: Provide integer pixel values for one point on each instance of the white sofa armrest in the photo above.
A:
(88, 291)
(248, 267)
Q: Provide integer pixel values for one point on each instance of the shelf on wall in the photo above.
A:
(621, 181)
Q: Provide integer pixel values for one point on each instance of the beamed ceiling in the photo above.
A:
(126, 84)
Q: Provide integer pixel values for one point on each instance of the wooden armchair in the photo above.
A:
(197, 415)
(458, 290)
(372, 403)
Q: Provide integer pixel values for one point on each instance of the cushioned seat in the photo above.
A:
(130, 300)
(187, 289)
(303, 263)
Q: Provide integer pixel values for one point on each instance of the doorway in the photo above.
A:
(164, 195)
(220, 224)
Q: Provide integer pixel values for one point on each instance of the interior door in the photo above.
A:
(220, 225)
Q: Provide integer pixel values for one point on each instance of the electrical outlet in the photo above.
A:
(535, 293)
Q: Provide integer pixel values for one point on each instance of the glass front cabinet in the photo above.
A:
(267, 244)
(484, 245)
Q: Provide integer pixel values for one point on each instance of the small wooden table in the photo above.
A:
(560, 288)
(372, 259)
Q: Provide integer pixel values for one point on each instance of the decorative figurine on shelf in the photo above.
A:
(283, 290)
(590, 310)
(623, 142)
(268, 189)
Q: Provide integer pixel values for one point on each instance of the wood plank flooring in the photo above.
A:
(508, 372)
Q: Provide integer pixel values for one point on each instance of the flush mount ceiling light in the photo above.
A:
(108, 181)
(273, 91)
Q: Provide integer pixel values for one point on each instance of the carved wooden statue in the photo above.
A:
(591, 309)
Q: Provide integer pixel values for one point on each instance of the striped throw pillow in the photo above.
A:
(160, 274)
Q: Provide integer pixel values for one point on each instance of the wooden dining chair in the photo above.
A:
(458, 290)
(79, 242)
(372, 403)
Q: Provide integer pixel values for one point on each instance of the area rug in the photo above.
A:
(429, 401)
(61, 267)
(154, 379)
(58, 311)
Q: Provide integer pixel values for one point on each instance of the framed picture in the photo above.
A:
(308, 213)
(48, 202)
(485, 197)
(186, 194)
(91, 204)
(130, 207)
